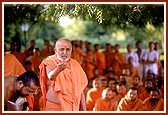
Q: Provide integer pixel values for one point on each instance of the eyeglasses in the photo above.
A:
(31, 91)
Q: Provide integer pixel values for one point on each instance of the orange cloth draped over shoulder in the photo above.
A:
(45, 52)
(109, 56)
(101, 62)
(143, 95)
(88, 65)
(20, 56)
(78, 54)
(103, 105)
(30, 100)
(92, 96)
(126, 105)
(68, 88)
(117, 65)
(36, 62)
(12, 66)
(157, 107)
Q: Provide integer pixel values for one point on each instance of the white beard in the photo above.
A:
(63, 60)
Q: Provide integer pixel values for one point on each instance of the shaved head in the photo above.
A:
(63, 49)
(62, 40)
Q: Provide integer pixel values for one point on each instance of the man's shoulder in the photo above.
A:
(161, 100)
(92, 90)
(100, 100)
(10, 77)
(73, 61)
(49, 58)
(10, 56)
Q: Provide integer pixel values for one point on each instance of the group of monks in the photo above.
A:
(116, 81)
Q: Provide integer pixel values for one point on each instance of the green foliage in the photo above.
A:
(95, 33)
(45, 30)
(21, 13)
(97, 23)
(17, 14)
(109, 14)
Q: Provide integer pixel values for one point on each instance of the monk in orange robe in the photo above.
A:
(12, 67)
(108, 52)
(47, 50)
(94, 93)
(131, 102)
(154, 102)
(121, 90)
(62, 80)
(146, 93)
(100, 60)
(21, 56)
(89, 62)
(77, 53)
(105, 103)
(135, 82)
(118, 60)
(36, 60)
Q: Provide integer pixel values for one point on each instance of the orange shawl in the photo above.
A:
(157, 107)
(103, 105)
(78, 81)
(126, 105)
(92, 96)
(117, 65)
(12, 67)
(101, 62)
(143, 95)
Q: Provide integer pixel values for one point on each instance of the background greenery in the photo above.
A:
(98, 23)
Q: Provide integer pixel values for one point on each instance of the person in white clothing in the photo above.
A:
(132, 54)
(150, 59)
(140, 52)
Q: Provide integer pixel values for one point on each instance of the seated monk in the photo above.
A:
(131, 102)
(17, 89)
(146, 93)
(154, 102)
(105, 102)
(94, 93)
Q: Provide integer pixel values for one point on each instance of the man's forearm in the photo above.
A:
(53, 74)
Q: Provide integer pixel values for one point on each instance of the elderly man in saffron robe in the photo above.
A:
(62, 80)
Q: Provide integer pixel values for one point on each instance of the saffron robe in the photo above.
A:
(68, 85)
(101, 62)
(12, 67)
(127, 105)
(159, 106)
(105, 105)
(92, 96)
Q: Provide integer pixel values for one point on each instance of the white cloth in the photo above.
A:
(151, 56)
(17, 106)
(135, 58)
(141, 65)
